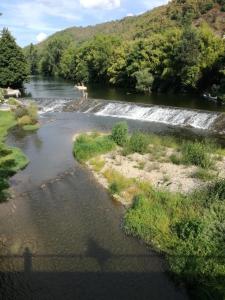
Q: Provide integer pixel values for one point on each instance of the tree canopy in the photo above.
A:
(173, 47)
(13, 65)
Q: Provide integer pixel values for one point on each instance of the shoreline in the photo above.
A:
(156, 170)
(175, 220)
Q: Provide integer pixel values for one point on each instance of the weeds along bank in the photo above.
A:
(187, 226)
(12, 159)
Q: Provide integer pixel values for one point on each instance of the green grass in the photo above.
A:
(87, 146)
(97, 164)
(189, 229)
(204, 174)
(198, 154)
(117, 182)
(11, 159)
(7, 121)
(31, 127)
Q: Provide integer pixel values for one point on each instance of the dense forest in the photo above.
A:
(176, 47)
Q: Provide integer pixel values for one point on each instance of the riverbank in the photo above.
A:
(180, 216)
(11, 159)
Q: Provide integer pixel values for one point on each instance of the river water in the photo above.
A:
(61, 235)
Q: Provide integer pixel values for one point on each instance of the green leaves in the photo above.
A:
(13, 65)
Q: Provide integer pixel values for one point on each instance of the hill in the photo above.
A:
(175, 47)
(174, 14)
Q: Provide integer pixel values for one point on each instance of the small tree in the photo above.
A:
(13, 65)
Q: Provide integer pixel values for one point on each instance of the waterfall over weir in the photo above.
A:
(167, 115)
(174, 116)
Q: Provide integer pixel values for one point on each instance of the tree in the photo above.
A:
(52, 55)
(32, 59)
(13, 65)
(144, 80)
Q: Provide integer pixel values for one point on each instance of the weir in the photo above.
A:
(174, 116)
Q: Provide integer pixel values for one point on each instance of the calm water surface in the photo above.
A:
(61, 233)
(40, 87)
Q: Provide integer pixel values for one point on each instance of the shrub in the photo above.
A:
(25, 120)
(188, 228)
(196, 153)
(13, 101)
(139, 143)
(217, 190)
(120, 133)
(86, 146)
(30, 110)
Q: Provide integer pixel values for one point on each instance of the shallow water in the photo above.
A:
(61, 233)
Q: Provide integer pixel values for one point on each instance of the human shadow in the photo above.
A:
(97, 273)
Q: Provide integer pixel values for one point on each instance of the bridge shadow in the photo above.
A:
(96, 274)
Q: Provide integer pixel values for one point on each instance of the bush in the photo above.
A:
(20, 111)
(25, 120)
(139, 143)
(30, 110)
(188, 228)
(13, 101)
(120, 133)
(87, 146)
(217, 190)
(197, 153)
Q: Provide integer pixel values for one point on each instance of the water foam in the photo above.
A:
(166, 115)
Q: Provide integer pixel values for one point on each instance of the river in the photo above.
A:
(61, 232)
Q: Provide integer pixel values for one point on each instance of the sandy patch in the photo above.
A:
(154, 168)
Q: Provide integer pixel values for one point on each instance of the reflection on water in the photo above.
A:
(40, 87)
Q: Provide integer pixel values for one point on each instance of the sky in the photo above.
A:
(31, 21)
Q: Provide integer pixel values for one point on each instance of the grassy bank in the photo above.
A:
(187, 228)
(11, 159)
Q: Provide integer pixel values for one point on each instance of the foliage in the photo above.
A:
(196, 153)
(31, 127)
(120, 133)
(117, 182)
(50, 60)
(87, 146)
(26, 115)
(13, 66)
(204, 174)
(11, 159)
(31, 54)
(2, 95)
(138, 143)
(189, 230)
(13, 101)
(24, 120)
(173, 47)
